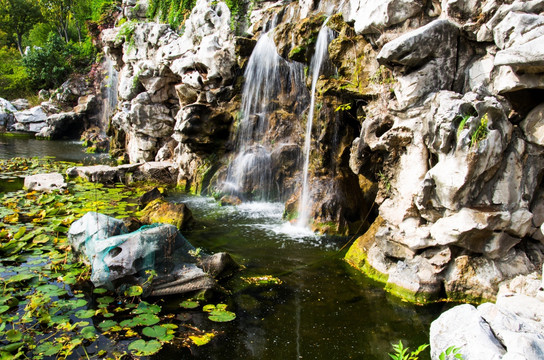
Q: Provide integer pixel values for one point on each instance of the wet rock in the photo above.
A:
(229, 200)
(160, 211)
(374, 16)
(163, 172)
(149, 197)
(45, 182)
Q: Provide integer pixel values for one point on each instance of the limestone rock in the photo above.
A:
(372, 16)
(20, 104)
(68, 125)
(31, 120)
(462, 9)
(426, 59)
(160, 211)
(7, 111)
(163, 172)
(533, 125)
(528, 57)
(102, 173)
(478, 278)
(515, 323)
(471, 334)
(45, 182)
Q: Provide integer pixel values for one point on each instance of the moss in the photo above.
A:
(357, 257)
(18, 135)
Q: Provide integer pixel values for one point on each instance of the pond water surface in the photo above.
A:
(323, 309)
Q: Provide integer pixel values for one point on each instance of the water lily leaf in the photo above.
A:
(158, 332)
(105, 300)
(41, 239)
(85, 314)
(14, 335)
(200, 340)
(100, 291)
(21, 277)
(19, 233)
(13, 347)
(107, 324)
(146, 308)
(49, 349)
(88, 332)
(208, 308)
(146, 320)
(3, 309)
(134, 291)
(222, 316)
(144, 348)
(189, 304)
(51, 290)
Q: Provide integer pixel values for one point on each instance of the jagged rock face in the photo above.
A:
(174, 89)
(459, 166)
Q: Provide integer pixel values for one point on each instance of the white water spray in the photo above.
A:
(109, 97)
(324, 38)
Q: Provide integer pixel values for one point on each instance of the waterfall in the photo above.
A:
(266, 77)
(109, 93)
(324, 38)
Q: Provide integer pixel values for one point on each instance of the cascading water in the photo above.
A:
(109, 93)
(321, 55)
(266, 77)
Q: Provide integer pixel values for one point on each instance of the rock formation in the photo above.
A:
(426, 130)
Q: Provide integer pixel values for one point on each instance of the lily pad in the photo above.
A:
(189, 304)
(14, 335)
(158, 332)
(134, 291)
(200, 340)
(144, 348)
(85, 314)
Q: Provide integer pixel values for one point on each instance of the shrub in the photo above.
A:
(49, 66)
(14, 81)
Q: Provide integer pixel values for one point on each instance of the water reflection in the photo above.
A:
(60, 150)
(323, 310)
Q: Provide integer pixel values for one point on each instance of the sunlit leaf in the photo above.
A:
(200, 340)
(144, 348)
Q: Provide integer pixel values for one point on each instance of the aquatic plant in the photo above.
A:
(401, 352)
(47, 308)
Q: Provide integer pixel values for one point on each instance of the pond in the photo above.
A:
(323, 309)
(63, 150)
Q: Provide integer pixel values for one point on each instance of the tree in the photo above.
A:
(59, 12)
(17, 17)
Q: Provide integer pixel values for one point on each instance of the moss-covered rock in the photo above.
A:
(161, 211)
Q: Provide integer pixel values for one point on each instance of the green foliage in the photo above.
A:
(17, 17)
(463, 124)
(481, 132)
(451, 353)
(402, 353)
(386, 182)
(14, 81)
(173, 12)
(49, 66)
(343, 107)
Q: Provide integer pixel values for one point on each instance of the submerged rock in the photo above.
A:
(120, 259)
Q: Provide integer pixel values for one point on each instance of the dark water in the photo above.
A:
(323, 310)
(60, 150)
